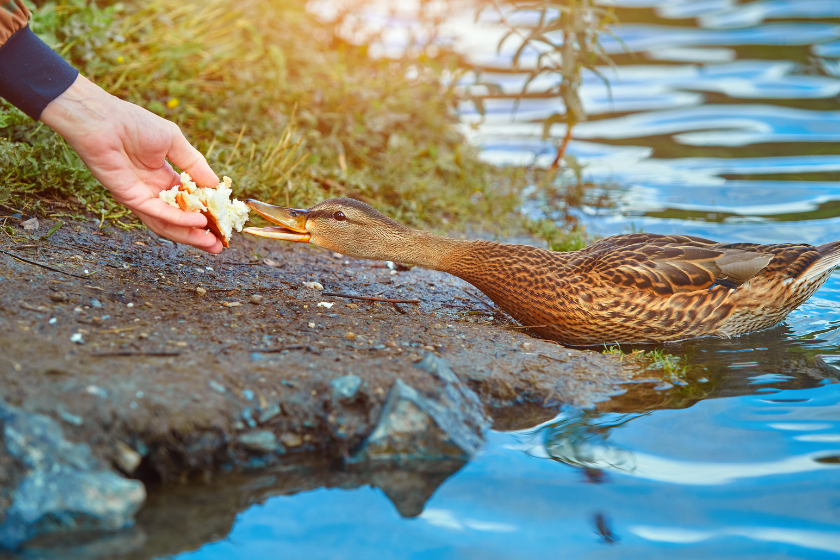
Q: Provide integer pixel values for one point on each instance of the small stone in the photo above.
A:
(231, 304)
(77, 338)
(143, 335)
(31, 224)
(311, 325)
(268, 413)
(199, 291)
(449, 424)
(256, 299)
(129, 305)
(325, 304)
(391, 344)
(95, 303)
(429, 348)
(70, 418)
(291, 440)
(352, 306)
(262, 441)
(126, 459)
(52, 321)
(345, 388)
(526, 345)
(216, 386)
(248, 394)
(248, 417)
(96, 391)
(314, 285)
(58, 297)
(349, 335)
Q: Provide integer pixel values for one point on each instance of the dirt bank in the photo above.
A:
(117, 345)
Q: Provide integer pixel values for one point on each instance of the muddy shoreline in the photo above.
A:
(164, 381)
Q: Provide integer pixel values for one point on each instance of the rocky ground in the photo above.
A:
(172, 364)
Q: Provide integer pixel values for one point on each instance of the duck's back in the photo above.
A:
(649, 288)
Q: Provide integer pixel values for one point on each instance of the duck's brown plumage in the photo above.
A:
(626, 288)
(644, 287)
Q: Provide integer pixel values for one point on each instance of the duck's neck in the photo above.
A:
(426, 250)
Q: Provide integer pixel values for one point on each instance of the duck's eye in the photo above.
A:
(339, 216)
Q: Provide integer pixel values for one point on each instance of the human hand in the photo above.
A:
(125, 147)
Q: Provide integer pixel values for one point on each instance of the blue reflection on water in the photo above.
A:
(687, 478)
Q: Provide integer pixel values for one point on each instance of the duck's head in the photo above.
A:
(342, 225)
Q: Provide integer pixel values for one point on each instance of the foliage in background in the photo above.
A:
(274, 98)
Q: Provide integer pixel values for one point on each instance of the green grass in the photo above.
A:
(559, 239)
(656, 359)
(274, 100)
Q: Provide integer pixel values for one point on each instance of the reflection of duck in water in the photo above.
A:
(626, 288)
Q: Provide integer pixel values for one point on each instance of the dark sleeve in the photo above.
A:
(31, 73)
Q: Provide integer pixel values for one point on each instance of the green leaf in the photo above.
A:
(52, 230)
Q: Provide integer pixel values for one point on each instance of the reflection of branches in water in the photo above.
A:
(565, 39)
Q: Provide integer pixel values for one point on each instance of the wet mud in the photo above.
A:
(135, 344)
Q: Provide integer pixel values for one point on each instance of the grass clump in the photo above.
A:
(274, 99)
(656, 359)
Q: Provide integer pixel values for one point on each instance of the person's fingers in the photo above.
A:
(198, 238)
(206, 241)
(160, 210)
(185, 156)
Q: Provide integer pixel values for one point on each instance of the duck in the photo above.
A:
(639, 288)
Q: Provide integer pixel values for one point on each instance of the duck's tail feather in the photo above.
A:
(828, 261)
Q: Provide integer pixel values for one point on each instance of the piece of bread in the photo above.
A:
(223, 215)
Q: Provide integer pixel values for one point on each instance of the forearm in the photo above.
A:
(31, 74)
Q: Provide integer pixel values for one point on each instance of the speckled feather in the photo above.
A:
(645, 287)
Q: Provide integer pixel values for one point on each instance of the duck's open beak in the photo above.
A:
(291, 220)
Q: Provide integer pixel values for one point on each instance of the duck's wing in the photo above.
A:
(667, 265)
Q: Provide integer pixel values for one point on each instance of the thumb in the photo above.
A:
(185, 156)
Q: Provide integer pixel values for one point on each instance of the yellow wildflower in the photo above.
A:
(172, 103)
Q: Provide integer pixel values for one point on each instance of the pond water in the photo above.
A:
(721, 121)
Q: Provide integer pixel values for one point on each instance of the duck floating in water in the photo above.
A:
(637, 288)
